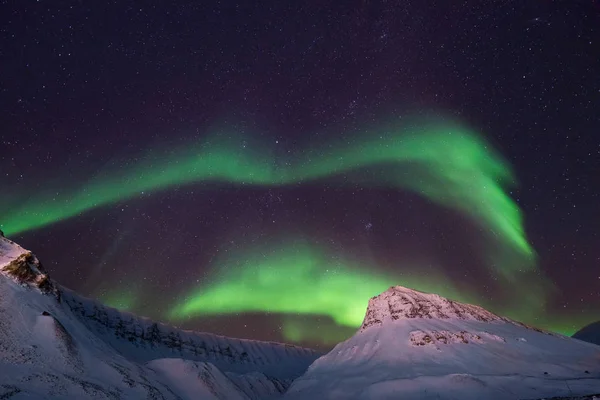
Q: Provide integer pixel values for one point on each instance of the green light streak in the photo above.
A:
(299, 279)
(445, 163)
(331, 293)
(314, 330)
(124, 300)
(454, 168)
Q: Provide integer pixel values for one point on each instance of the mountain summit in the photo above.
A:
(399, 302)
(22, 265)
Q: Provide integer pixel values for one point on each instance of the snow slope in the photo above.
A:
(416, 345)
(589, 333)
(57, 344)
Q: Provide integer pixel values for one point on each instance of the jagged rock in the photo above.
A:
(402, 303)
(24, 267)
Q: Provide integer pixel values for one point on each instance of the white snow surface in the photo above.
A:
(415, 345)
(192, 379)
(57, 344)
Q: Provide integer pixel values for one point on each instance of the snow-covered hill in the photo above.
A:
(589, 333)
(57, 344)
(416, 345)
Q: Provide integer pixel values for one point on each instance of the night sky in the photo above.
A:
(261, 169)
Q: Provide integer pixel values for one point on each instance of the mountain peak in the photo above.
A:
(23, 266)
(399, 302)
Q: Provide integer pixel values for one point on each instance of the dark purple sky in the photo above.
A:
(83, 82)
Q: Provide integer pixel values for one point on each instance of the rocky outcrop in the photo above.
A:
(435, 337)
(399, 302)
(24, 267)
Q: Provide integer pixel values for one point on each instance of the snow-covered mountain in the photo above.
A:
(416, 345)
(57, 344)
(589, 333)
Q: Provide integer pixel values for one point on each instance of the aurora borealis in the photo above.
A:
(448, 164)
(311, 283)
(454, 168)
(458, 171)
(261, 178)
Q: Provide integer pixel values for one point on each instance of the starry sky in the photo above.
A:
(260, 169)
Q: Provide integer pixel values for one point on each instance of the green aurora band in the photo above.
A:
(444, 162)
(124, 300)
(321, 330)
(298, 278)
(457, 168)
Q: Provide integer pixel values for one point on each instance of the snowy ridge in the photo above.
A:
(197, 380)
(143, 340)
(55, 343)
